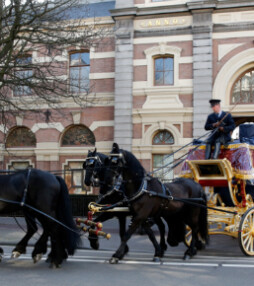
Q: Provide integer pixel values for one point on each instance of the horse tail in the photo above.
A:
(71, 239)
(203, 216)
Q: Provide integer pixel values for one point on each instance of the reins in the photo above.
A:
(197, 202)
(40, 212)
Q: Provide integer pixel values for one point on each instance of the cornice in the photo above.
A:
(193, 6)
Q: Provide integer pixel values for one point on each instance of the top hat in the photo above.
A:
(213, 102)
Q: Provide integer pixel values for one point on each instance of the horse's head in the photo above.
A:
(114, 165)
(93, 165)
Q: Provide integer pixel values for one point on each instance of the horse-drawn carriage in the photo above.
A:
(228, 182)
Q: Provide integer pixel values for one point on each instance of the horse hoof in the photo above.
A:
(54, 265)
(15, 254)
(156, 259)
(37, 257)
(113, 260)
(186, 257)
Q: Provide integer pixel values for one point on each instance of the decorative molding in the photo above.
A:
(76, 116)
(102, 75)
(97, 124)
(159, 101)
(148, 135)
(52, 125)
(228, 75)
(162, 49)
(4, 129)
(19, 120)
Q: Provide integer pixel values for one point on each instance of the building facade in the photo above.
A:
(152, 81)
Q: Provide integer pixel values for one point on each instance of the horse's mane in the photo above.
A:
(133, 163)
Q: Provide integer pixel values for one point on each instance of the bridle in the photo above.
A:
(96, 162)
(115, 159)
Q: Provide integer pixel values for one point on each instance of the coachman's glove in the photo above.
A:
(216, 124)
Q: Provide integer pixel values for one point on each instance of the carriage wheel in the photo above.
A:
(188, 236)
(246, 233)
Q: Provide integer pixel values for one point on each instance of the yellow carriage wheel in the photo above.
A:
(246, 233)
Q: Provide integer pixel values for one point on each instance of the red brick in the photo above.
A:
(140, 73)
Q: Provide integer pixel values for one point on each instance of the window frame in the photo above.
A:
(79, 66)
(163, 144)
(74, 189)
(24, 146)
(23, 69)
(77, 145)
(239, 78)
(173, 70)
(171, 173)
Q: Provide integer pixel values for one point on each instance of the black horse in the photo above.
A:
(95, 171)
(146, 197)
(46, 198)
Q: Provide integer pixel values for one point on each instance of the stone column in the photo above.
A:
(202, 68)
(123, 82)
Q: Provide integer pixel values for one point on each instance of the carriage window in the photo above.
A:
(21, 137)
(78, 135)
(164, 71)
(163, 160)
(74, 175)
(243, 89)
(163, 138)
(79, 72)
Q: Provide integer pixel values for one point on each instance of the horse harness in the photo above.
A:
(166, 195)
(23, 201)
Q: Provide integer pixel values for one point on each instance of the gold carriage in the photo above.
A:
(228, 183)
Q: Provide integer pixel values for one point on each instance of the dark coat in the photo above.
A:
(228, 124)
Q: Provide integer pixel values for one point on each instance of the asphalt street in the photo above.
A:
(221, 263)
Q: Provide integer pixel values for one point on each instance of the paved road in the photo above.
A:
(222, 263)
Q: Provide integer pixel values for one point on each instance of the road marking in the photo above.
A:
(103, 260)
(193, 264)
(238, 265)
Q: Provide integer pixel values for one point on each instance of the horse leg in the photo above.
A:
(93, 238)
(161, 227)
(1, 253)
(122, 229)
(119, 254)
(192, 250)
(40, 247)
(158, 252)
(22, 244)
(57, 253)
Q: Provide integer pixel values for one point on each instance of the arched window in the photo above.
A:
(163, 138)
(20, 137)
(78, 135)
(243, 88)
(164, 70)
